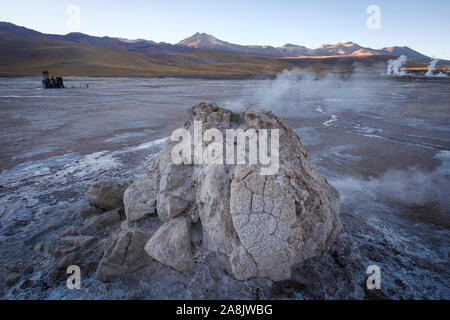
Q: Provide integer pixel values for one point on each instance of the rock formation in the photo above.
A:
(260, 225)
(105, 194)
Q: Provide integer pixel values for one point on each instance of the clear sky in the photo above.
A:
(421, 25)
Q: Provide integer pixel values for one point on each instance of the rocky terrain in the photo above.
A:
(230, 219)
(122, 233)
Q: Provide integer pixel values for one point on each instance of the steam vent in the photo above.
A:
(257, 226)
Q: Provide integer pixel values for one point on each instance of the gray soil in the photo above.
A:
(383, 143)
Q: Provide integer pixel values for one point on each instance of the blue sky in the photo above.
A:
(421, 25)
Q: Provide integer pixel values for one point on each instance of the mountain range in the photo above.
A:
(203, 41)
(208, 42)
(25, 51)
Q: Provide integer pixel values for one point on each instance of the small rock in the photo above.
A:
(124, 254)
(72, 258)
(41, 250)
(106, 194)
(98, 222)
(86, 210)
(70, 231)
(79, 241)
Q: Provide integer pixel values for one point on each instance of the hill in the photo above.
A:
(27, 52)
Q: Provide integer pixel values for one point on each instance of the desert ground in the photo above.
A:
(384, 143)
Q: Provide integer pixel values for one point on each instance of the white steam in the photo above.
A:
(431, 67)
(395, 67)
(411, 187)
(299, 92)
(407, 188)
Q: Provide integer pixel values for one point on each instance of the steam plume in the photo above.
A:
(394, 66)
(431, 66)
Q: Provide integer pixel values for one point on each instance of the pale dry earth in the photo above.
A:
(383, 143)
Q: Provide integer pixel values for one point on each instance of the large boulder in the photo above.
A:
(262, 220)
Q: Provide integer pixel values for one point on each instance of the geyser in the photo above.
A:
(395, 66)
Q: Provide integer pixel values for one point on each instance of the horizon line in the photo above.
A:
(203, 33)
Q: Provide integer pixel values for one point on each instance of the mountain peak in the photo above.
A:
(404, 50)
(201, 41)
(290, 45)
(200, 35)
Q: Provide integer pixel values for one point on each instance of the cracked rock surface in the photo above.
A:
(261, 225)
